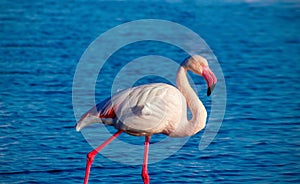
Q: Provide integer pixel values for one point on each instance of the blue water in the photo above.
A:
(257, 45)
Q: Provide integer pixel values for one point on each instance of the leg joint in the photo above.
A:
(145, 176)
(91, 156)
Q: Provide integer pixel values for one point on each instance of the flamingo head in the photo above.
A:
(199, 65)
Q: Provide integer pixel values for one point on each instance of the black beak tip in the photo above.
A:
(210, 89)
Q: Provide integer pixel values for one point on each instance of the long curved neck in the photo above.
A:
(199, 114)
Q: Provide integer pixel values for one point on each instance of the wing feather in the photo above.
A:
(106, 109)
(143, 109)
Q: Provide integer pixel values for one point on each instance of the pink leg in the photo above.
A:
(91, 155)
(145, 174)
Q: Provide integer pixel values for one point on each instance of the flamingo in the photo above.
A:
(155, 108)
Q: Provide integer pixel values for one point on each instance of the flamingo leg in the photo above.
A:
(91, 155)
(145, 174)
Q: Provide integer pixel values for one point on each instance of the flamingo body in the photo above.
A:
(144, 110)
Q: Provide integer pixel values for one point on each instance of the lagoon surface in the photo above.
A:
(257, 45)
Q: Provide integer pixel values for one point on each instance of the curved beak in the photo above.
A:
(210, 78)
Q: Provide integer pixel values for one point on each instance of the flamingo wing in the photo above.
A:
(105, 109)
(145, 109)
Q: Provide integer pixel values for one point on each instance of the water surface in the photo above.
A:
(257, 45)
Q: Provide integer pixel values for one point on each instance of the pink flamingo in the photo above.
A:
(156, 108)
